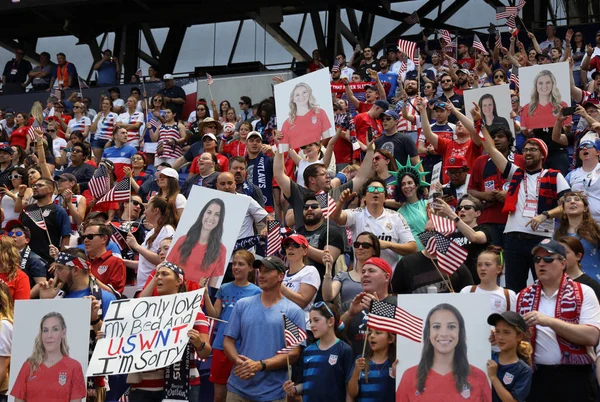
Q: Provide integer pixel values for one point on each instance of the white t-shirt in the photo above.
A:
(516, 221)
(6, 333)
(58, 144)
(547, 351)
(79, 125)
(145, 266)
(254, 214)
(308, 275)
(589, 183)
(180, 201)
(390, 226)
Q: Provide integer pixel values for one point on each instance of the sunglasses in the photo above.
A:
(15, 176)
(294, 245)
(378, 158)
(50, 131)
(514, 100)
(137, 203)
(77, 151)
(547, 259)
(91, 236)
(242, 103)
(77, 107)
(445, 81)
(18, 233)
(311, 206)
(365, 245)
(321, 304)
(587, 146)
(498, 76)
(373, 189)
(157, 100)
(465, 207)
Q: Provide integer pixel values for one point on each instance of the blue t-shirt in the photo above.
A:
(515, 377)
(392, 79)
(107, 298)
(229, 294)
(107, 73)
(260, 332)
(381, 385)
(326, 372)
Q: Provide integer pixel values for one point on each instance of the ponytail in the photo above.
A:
(524, 352)
(168, 217)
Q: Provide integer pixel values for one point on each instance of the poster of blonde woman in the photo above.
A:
(449, 364)
(50, 350)
(304, 110)
(544, 89)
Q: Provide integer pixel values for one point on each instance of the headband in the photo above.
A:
(173, 267)
(72, 261)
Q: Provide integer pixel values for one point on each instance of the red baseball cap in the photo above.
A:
(456, 162)
(296, 238)
(380, 263)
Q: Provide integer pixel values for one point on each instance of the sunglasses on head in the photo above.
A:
(17, 233)
(373, 189)
(321, 304)
(547, 259)
(311, 206)
(362, 244)
(465, 207)
(294, 245)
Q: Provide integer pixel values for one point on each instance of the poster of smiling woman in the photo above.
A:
(545, 89)
(304, 110)
(449, 362)
(50, 350)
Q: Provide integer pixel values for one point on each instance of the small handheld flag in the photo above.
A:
(326, 203)
(294, 336)
(387, 317)
(274, 238)
(120, 192)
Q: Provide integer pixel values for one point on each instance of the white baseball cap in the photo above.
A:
(168, 77)
(169, 172)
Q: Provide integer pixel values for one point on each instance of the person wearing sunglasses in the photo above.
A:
(563, 317)
(14, 76)
(449, 95)
(398, 143)
(80, 121)
(68, 196)
(31, 263)
(301, 281)
(457, 170)
(14, 191)
(107, 268)
(471, 236)
(394, 233)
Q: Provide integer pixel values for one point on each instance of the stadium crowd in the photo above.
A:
(523, 202)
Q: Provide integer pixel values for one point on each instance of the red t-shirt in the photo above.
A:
(235, 148)
(362, 122)
(364, 107)
(110, 270)
(222, 161)
(18, 286)
(595, 63)
(486, 177)
(443, 388)
(18, 138)
(542, 117)
(194, 270)
(62, 382)
(447, 148)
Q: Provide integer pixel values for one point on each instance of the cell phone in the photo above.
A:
(436, 195)
(370, 134)
(568, 111)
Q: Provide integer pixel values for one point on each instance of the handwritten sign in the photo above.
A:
(145, 334)
(435, 178)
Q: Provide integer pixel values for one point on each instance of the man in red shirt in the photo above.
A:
(372, 93)
(372, 118)
(105, 267)
(464, 58)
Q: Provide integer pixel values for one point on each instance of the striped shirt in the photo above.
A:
(405, 125)
(106, 126)
(167, 133)
(79, 125)
(133, 135)
(58, 200)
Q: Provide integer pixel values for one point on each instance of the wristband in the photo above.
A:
(546, 214)
(456, 219)
(96, 321)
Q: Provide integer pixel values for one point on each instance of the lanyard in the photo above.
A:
(537, 188)
(25, 258)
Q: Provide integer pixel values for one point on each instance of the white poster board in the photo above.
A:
(495, 106)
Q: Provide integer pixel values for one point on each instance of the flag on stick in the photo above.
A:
(521, 4)
(511, 22)
(498, 43)
(139, 72)
(274, 238)
(450, 255)
(387, 317)
(294, 336)
(209, 79)
(412, 19)
(37, 217)
(443, 225)
(100, 182)
(326, 203)
(155, 123)
(446, 37)
(514, 78)
(505, 12)
(82, 83)
(31, 131)
(407, 47)
(120, 192)
(477, 44)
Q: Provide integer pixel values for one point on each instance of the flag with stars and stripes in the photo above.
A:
(31, 131)
(336, 66)
(82, 83)
(294, 336)
(498, 43)
(72, 261)
(100, 182)
(403, 68)
(120, 192)
(505, 12)
(511, 22)
(407, 47)
(155, 123)
(37, 217)
(449, 255)
(514, 78)
(446, 36)
(443, 225)
(274, 238)
(209, 79)
(387, 317)
(477, 44)
(139, 72)
(57, 93)
(521, 4)
(326, 203)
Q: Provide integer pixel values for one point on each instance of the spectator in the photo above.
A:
(103, 127)
(118, 104)
(575, 252)
(386, 75)
(237, 167)
(449, 95)
(5, 163)
(170, 137)
(457, 168)
(206, 176)
(173, 95)
(245, 109)
(31, 263)
(14, 77)
(7, 307)
(69, 197)
(8, 124)
(105, 267)
(40, 75)
(346, 71)
(372, 93)
(10, 271)
(64, 74)
(19, 137)
(368, 61)
(132, 121)
(82, 171)
(108, 68)
(120, 153)
(397, 143)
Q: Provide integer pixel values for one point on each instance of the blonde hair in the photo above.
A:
(10, 258)
(312, 102)
(6, 303)
(555, 97)
(37, 111)
(37, 356)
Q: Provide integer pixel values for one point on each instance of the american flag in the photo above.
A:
(498, 41)
(514, 78)
(412, 19)
(72, 261)
(294, 336)
(209, 79)
(443, 225)
(139, 72)
(521, 4)
(336, 67)
(57, 93)
(511, 22)
(82, 83)
(155, 123)
(450, 255)
(274, 238)
(120, 192)
(403, 68)
(446, 36)
(118, 238)
(31, 131)
(387, 317)
(100, 182)
(407, 47)
(505, 12)
(326, 202)
(37, 217)
(477, 44)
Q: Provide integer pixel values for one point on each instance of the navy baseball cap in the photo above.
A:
(391, 114)
(551, 246)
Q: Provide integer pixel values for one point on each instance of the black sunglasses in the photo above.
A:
(294, 245)
(365, 245)
(465, 207)
(311, 206)
(547, 259)
(91, 236)
(137, 204)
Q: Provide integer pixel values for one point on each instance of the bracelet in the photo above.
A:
(96, 321)
(326, 276)
(456, 219)
(20, 196)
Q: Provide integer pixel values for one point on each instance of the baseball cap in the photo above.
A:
(212, 136)
(391, 114)
(510, 317)
(456, 162)
(168, 77)
(14, 223)
(463, 70)
(382, 104)
(439, 104)
(253, 134)
(114, 89)
(380, 263)
(551, 246)
(270, 263)
(5, 146)
(170, 172)
(296, 238)
(371, 87)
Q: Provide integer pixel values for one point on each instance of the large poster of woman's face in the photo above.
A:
(304, 110)
(544, 90)
(207, 232)
(449, 364)
(50, 344)
(494, 103)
